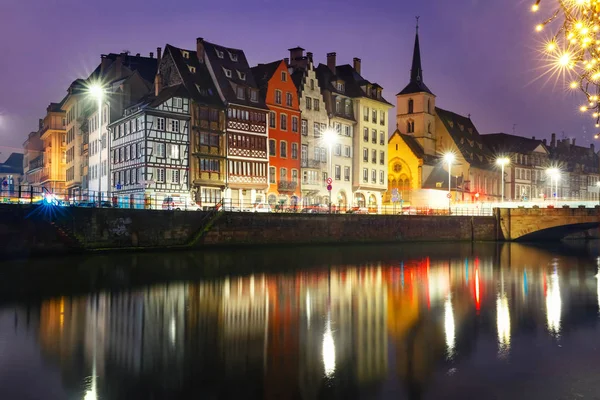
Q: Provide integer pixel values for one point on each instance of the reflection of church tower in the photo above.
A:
(415, 105)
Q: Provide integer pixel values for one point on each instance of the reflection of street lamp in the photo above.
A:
(449, 327)
(449, 158)
(598, 186)
(502, 161)
(329, 137)
(328, 349)
(554, 174)
(97, 92)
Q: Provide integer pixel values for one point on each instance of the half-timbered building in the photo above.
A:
(181, 69)
(247, 158)
(149, 152)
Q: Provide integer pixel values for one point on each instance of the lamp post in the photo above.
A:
(97, 92)
(449, 158)
(329, 137)
(502, 161)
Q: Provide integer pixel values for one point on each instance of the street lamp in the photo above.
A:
(449, 158)
(554, 174)
(502, 161)
(97, 92)
(329, 138)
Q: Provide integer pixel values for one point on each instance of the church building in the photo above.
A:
(425, 134)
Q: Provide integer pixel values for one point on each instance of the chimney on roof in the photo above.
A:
(592, 147)
(533, 137)
(573, 141)
(119, 67)
(104, 63)
(296, 53)
(331, 62)
(356, 62)
(158, 55)
(287, 61)
(41, 123)
(544, 141)
(151, 55)
(157, 84)
(138, 55)
(309, 56)
(200, 49)
(553, 140)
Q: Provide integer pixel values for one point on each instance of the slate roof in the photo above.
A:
(439, 174)
(262, 74)
(146, 66)
(503, 143)
(228, 85)
(575, 158)
(197, 85)
(466, 138)
(416, 84)
(356, 84)
(13, 164)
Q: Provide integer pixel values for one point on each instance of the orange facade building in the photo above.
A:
(281, 96)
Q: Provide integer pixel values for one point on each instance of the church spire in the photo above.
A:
(416, 72)
(416, 84)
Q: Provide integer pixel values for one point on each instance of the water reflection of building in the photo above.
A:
(333, 333)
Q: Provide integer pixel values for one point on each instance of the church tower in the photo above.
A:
(415, 105)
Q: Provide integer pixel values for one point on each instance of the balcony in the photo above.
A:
(286, 186)
(36, 163)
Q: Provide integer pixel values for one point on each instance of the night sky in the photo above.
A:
(479, 56)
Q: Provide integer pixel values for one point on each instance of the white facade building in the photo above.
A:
(149, 154)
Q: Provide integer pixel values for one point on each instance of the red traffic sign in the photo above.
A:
(329, 181)
(449, 195)
(329, 187)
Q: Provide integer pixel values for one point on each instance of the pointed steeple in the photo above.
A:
(416, 84)
(416, 72)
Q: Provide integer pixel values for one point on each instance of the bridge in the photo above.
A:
(533, 224)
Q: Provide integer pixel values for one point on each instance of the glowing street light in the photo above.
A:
(97, 92)
(554, 174)
(329, 138)
(449, 158)
(502, 161)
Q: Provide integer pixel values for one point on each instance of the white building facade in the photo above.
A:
(149, 154)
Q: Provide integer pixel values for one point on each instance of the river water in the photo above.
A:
(431, 321)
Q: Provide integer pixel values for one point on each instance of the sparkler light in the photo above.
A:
(574, 46)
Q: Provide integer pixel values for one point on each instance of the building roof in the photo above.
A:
(416, 84)
(235, 61)
(416, 148)
(146, 66)
(197, 85)
(503, 143)
(262, 74)
(575, 158)
(356, 85)
(438, 179)
(13, 164)
(466, 137)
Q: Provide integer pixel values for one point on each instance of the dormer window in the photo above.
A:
(192, 69)
(219, 53)
(233, 56)
(240, 93)
(242, 75)
(340, 86)
(283, 76)
(185, 54)
(227, 72)
(254, 96)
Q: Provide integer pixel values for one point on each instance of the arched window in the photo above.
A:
(411, 106)
(429, 106)
(410, 126)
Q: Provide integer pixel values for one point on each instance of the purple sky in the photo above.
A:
(479, 56)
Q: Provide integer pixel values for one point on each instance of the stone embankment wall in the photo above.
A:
(28, 230)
